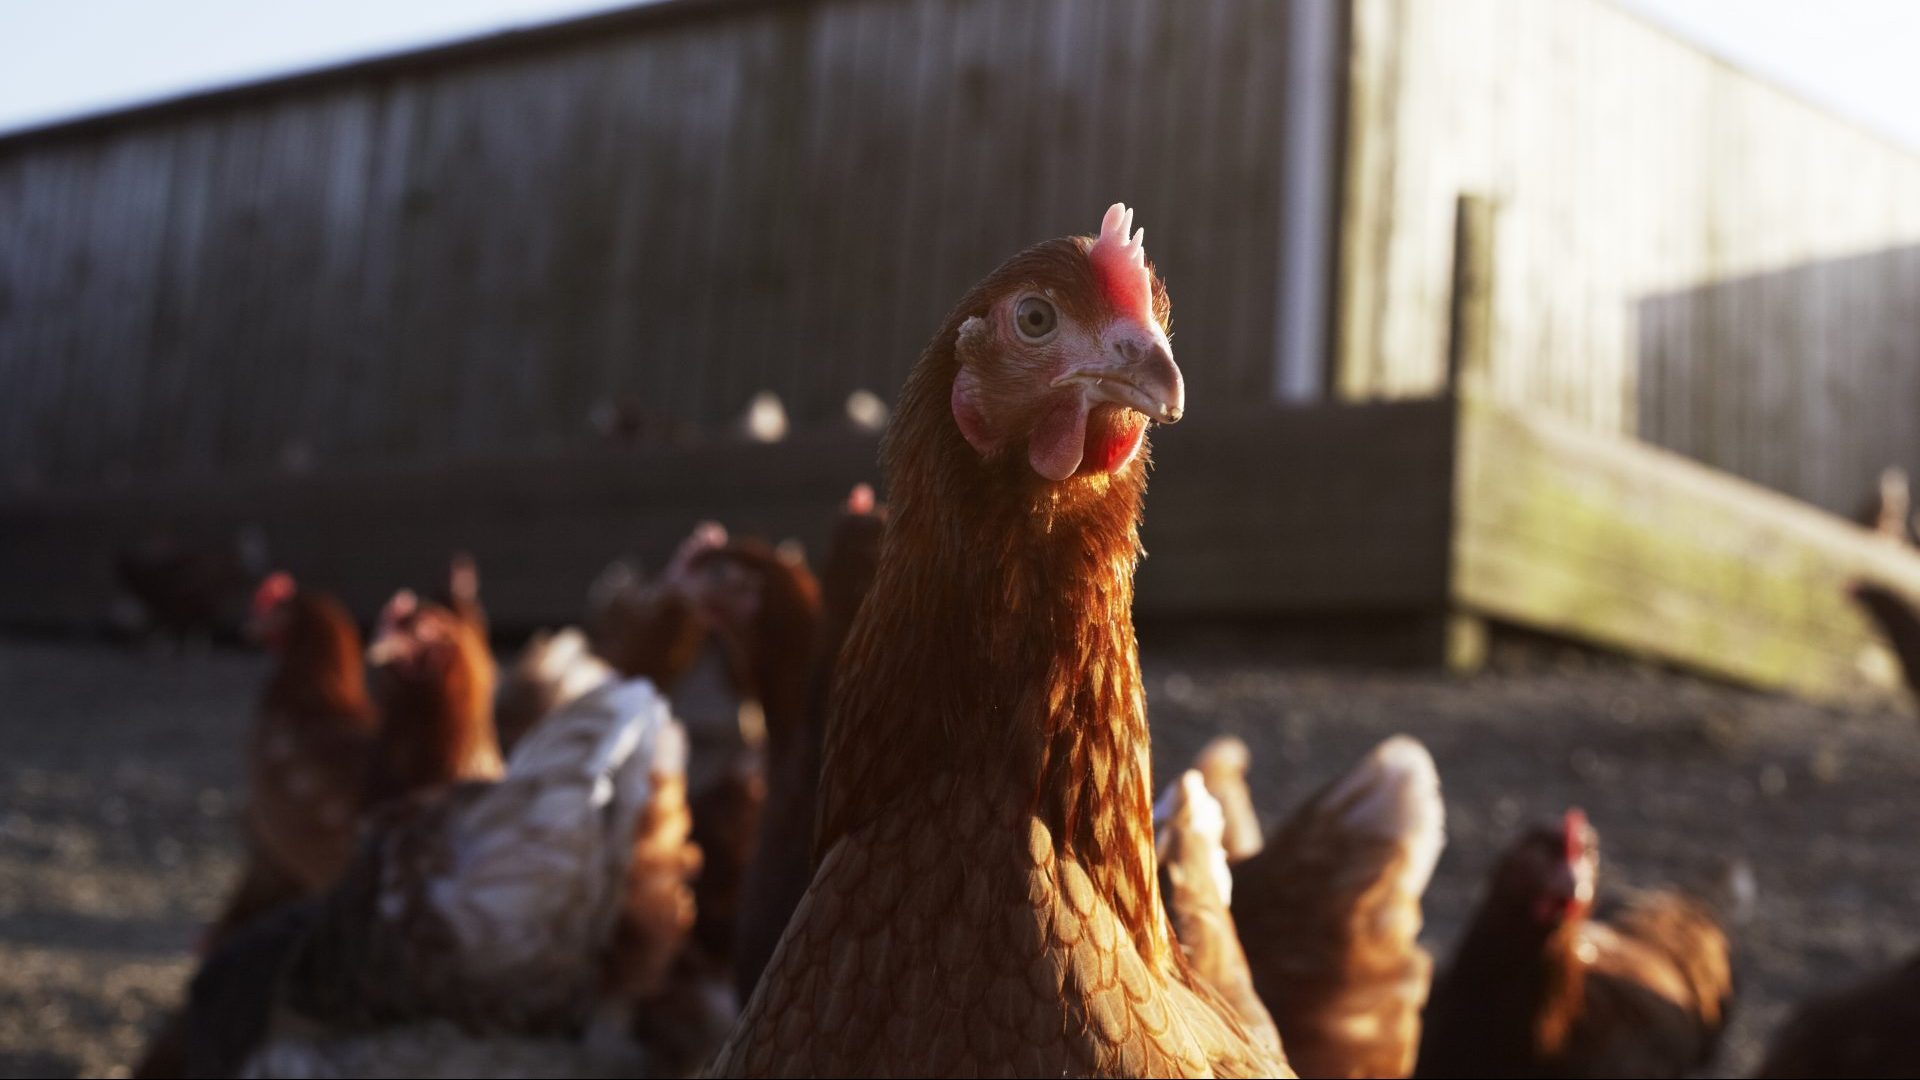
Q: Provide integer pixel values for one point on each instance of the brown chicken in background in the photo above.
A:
(1889, 512)
(307, 759)
(1870, 1028)
(463, 593)
(1198, 886)
(187, 588)
(472, 933)
(1898, 622)
(1329, 913)
(986, 898)
(782, 860)
(433, 678)
(763, 606)
(308, 752)
(1540, 987)
(644, 629)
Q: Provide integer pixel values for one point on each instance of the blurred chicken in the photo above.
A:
(647, 629)
(308, 754)
(1898, 622)
(1538, 987)
(782, 861)
(764, 605)
(1867, 1028)
(1223, 764)
(629, 421)
(1870, 1030)
(433, 681)
(1329, 909)
(1199, 889)
(473, 928)
(307, 760)
(463, 593)
(185, 589)
(1890, 511)
(553, 669)
(986, 898)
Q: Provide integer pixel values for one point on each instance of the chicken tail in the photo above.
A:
(1330, 914)
(1223, 764)
(1198, 886)
(1394, 794)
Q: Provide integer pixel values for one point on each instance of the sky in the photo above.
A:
(62, 58)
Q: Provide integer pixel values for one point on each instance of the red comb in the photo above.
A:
(463, 576)
(1573, 832)
(398, 609)
(860, 499)
(277, 589)
(1119, 257)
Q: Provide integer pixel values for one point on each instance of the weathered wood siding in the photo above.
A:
(1609, 541)
(459, 254)
(1681, 252)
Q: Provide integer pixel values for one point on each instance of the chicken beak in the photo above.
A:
(1135, 370)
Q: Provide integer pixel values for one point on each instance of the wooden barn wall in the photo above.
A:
(428, 261)
(1681, 252)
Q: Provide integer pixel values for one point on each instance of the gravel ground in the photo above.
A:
(120, 772)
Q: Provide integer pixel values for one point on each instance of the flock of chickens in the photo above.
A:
(896, 818)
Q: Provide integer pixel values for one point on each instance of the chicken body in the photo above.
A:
(986, 897)
(483, 912)
(1870, 1030)
(1198, 885)
(1329, 913)
(552, 671)
(782, 861)
(1899, 623)
(308, 753)
(1540, 988)
(434, 684)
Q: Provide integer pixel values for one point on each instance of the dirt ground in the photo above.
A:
(119, 774)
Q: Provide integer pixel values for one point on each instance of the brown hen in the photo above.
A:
(307, 758)
(1538, 987)
(433, 681)
(782, 860)
(478, 916)
(308, 752)
(1330, 915)
(986, 897)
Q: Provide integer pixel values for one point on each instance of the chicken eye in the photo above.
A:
(1035, 318)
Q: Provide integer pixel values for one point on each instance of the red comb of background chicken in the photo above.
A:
(706, 536)
(1119, 256)
(1573, 833)
(398, 610)
(860, 499)
(463, 577)
(277, 589)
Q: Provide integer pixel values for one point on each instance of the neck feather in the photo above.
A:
(997, 647)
